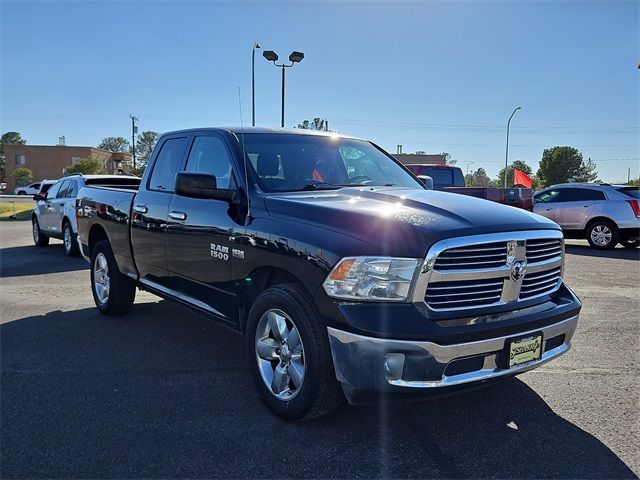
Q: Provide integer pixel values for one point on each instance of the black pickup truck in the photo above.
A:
(344, 274)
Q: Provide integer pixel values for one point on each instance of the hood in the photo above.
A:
(401, 221)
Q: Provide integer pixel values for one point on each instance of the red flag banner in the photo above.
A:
(521, 178)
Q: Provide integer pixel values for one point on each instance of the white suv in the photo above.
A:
(55, 212)
(603, 214)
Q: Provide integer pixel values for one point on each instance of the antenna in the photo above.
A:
(244, 161)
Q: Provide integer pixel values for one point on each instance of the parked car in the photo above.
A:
(54, 215)
(603, 214)
(3, 186)
(28, 189)
(450, 179)
(345, 275)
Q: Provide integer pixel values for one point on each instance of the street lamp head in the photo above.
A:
(256, 45)
(519, 108)
(270, 55)
(296, 57)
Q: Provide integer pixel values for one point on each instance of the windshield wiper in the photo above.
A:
(320, 186)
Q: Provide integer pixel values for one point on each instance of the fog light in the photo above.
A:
(393, 366)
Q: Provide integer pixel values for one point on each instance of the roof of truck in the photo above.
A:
(281, 131)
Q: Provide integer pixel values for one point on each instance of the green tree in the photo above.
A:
(87, 166)
(8, 138)
(561, 164)
(517, 164)
(23, 176)
(316, 124)
(115, 144)
(144, 146)
(447, 158)
(480, 178)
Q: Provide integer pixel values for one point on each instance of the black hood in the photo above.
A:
(401, 221)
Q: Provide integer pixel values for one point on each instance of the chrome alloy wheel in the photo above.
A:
(280, 354)
(36, 231)
(101, 282)
(601, 235)
(68, 238)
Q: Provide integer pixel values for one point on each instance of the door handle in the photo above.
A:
(140, 208)
(178, 215)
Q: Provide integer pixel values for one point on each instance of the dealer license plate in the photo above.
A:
(525, 350)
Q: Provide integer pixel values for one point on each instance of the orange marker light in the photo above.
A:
(341, 271)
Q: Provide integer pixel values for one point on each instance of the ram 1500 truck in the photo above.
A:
(448, 178)
(344, 274)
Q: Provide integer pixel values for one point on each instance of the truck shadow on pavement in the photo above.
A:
(31, 260)
(586, 250)
(163, 393)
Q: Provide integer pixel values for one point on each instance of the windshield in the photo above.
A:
(290, 162)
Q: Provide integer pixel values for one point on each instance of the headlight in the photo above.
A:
(371, 278)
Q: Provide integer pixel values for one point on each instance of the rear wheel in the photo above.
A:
(69, 239)
(113, 292)
(289, 355)
(602, 234)
(39, 238)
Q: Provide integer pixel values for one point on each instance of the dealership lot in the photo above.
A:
(163, 393)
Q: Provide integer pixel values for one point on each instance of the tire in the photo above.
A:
(630, 243)
(602, 234)
(113, 292)
(69, 239)
(39, 238)
(308, 386)
(22, 192)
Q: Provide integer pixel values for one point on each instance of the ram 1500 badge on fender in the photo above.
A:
(344, 274)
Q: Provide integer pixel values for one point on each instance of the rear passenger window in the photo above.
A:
(62, 193)
(167, 164)
(209, 155)
(72, 189)
(580, 195)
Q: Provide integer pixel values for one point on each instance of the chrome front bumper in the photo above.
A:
(374, 364)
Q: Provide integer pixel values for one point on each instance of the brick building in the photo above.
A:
(50, 162)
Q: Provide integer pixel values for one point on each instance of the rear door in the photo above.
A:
(151, 209)
(45, 208)
(545, 203)
(199, 252)
(574, 208)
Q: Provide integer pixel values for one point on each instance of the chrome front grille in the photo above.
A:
(473, 257)
(540, 250)
(490, 270)
(540, 283)
(447, 295)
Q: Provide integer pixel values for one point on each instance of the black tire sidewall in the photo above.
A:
(104, 248)
(614, 235)
(300, 311)
(73, 249)
(43, 240)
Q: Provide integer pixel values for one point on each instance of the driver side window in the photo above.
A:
(209, 155)
(548, 196)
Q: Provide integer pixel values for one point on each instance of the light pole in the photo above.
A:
(134, 130)
(253, 84)
(272, 56)
(468, 165)
(506, 155)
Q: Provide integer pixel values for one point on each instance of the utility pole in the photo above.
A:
(134, 130)
(506, 155)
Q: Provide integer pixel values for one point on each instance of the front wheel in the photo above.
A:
(289, 355)
(602, 234)
(113, 292)
(69, 239)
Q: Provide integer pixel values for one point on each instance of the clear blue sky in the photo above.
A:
(433, 76)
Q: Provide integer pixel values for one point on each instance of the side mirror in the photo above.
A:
(427, 181)
(200, 185)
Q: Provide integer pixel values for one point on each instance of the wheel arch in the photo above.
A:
(96, 233)
(599, 218)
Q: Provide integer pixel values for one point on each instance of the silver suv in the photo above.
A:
(603, 214)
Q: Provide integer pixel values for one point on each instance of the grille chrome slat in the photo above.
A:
(476, 274)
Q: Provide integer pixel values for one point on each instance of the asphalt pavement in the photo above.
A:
(163, 393)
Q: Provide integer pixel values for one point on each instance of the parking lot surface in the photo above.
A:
(163, 393)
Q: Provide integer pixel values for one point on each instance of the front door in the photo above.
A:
(545, 203)
(45, 208)
(151, 209)
(199, 252)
